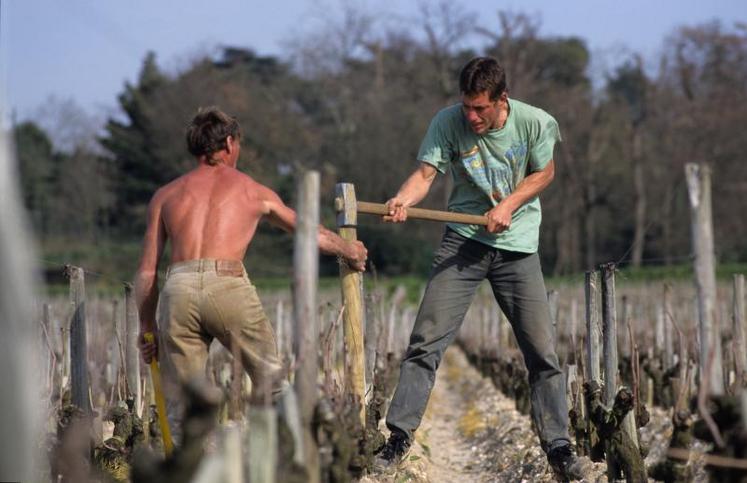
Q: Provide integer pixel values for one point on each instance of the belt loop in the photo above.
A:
(215, 266)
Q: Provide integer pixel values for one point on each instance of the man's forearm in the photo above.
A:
(331, 244)
(530, 187)
(415, 188)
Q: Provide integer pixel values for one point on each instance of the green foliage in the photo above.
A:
(396, 255)
(37, 169)
(629, 85)
(355, 105)
(562, 62)
(133, 144)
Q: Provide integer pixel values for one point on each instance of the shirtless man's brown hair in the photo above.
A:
(210, 215)
(208, 132)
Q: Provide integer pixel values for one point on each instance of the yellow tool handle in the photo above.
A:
(163, 422)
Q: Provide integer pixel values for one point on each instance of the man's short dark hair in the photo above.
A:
(207, 132)
(482, 74)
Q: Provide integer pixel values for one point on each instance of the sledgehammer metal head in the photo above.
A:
(346, 205)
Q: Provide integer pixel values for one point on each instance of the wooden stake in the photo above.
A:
(609, 332)
(352, 283)
(623, 333)
(372, 329)
(593, 332)
(132, 355)
(699, 189)
(609, 324)
(738, 319)
(263, 444)
(232, 452)
(668, 329)
(78, 346)
(305, 276)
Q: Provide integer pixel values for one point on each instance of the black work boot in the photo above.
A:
(393, 452)
(565, 464)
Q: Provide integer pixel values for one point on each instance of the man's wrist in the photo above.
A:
(511, 203)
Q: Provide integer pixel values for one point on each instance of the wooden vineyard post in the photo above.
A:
(305, 275)
(372, 332)
(623, 331)
(49, 361)
(738, 327)
(280, 332)
(132, 356)
(352, 284)
(699, 189)
(593, 333)
(609, 325)
(263, 444)
(593, 368)
(609, 333)
(232, 450)
(21, 428)
(668, 329)
(78, 345)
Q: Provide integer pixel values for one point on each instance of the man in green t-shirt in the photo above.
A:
(499, 152)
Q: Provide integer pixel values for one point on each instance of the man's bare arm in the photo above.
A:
(330, 243)
(146, 278)
(499, 218)
(412, 192)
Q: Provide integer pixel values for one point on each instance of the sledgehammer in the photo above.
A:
(155, 375)
(342, 205)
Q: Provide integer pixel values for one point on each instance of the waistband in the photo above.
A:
(221, 267)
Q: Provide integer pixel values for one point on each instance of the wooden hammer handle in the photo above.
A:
(423, 214)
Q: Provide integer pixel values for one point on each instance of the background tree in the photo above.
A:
(37, 170)
(353, 97)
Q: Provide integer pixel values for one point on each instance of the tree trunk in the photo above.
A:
(640, 199)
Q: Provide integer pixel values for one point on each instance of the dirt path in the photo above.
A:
(471, 433)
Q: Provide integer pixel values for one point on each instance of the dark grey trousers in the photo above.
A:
(459, 266)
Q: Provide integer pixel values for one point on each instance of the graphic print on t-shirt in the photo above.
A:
(495, 177)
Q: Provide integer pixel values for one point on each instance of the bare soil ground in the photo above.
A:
(471, 432)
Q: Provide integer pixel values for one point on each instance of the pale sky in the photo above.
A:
(85, 50)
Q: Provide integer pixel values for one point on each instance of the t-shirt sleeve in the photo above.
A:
(542, 150)
(437, 148)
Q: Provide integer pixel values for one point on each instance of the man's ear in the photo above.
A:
(229, 144)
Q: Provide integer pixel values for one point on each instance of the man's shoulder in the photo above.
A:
(451, 115)
(167, 190)
(528, 113)
(449, 123)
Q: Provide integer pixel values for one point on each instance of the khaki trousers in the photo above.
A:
(208, 299)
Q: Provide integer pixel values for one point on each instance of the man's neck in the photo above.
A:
(218, 161)
(503, 112)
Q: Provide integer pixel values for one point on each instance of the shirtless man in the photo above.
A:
(211, 214)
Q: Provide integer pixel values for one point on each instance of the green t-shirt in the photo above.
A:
(487, 168)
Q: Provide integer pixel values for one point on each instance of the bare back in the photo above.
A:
(212, 212)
